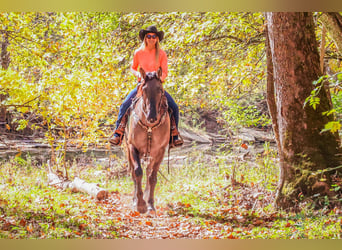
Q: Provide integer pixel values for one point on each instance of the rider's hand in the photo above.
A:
(140, 78)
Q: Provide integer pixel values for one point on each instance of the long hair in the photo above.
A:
(144, 44)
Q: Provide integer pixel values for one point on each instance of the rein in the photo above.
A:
(149, 132)
(150, 129)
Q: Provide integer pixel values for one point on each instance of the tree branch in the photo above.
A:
(254, 40)
(24, 105)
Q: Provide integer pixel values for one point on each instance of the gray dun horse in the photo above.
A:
(148, 137)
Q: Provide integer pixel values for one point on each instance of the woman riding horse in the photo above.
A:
(150, 57)
(147, 138)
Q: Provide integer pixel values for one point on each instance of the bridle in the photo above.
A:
(147, 128)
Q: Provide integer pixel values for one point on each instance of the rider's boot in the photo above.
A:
(175, 141)
(120, 131)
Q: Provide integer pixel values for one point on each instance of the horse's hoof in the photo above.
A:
(142, 209)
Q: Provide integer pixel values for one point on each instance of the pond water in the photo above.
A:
(104, 157)
(41, 154)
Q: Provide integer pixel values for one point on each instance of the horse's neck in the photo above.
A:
(138, 111)
(135, 100)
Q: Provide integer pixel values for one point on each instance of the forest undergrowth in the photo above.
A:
(216, 193)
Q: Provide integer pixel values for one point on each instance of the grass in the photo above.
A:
(214, 190)
(32, 209)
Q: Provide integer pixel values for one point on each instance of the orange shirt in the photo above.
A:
(147, 60)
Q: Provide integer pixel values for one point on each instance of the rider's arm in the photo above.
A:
(134, 67)
(163, 64)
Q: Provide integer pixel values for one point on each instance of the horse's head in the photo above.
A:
(152, 93)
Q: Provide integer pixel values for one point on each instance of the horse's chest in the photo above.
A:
(148, 139)
(147, 142)
(139, 137)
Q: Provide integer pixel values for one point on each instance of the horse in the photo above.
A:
(148, 134)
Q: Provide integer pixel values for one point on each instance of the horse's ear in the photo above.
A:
(142, 73)
(159, 72)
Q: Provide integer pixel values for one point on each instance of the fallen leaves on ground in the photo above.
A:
(134, 225)
(115, 218)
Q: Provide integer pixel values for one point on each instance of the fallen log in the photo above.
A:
(55, 180)
(78, 185)
(90, 188)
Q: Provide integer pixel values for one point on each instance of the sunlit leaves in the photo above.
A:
(78, 63)
(212, 50)
(333, 82)
(333, 126)
(22, 93)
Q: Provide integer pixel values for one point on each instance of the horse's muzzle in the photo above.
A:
(152, 115)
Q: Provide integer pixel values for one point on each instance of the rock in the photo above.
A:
(191, 136)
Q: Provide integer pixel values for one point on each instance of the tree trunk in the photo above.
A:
(5, 61)
(322, 48)
(5, 55)
(333, 23)
(272, 107)
(293, 64)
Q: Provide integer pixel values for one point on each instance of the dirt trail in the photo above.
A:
(162, 225)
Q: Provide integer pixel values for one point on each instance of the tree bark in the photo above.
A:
(293, 64)
(333, 23)
(5, 61)
(272, 107)
(322, 49)
(5, 55)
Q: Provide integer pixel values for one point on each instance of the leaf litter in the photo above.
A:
(236, 208)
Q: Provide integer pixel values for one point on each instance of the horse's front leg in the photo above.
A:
(151, 179)
(137, 174)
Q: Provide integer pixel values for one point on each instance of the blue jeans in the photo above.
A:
(128, 101)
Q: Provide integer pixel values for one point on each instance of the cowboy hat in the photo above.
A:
(151, 29)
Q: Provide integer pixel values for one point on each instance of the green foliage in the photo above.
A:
(242, 112)
(332, 127)
(335, 89)
(313, 100)
(73, 68)
(31, 209)
(21, 92)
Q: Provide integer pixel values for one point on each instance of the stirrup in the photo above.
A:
(116, 140)
(120, 131)
(176, 143)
